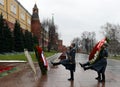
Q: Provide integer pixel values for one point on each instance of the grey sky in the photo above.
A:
(75, 16)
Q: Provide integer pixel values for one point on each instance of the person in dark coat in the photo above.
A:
(69, 63)
(72, 64)
(100, 64)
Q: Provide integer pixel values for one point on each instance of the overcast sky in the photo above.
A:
(76, 16)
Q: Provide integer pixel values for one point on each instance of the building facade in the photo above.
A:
(12, 10)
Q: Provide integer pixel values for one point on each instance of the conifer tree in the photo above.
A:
(25, 40)
(18, 38)
(1, 33)
(28, 41)
(35, 40)
(8, 44)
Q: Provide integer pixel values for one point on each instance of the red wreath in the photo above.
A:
(97, 48)
(41, 56)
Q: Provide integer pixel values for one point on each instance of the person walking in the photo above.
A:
(69, 63)
(72, 64)
(99, 64)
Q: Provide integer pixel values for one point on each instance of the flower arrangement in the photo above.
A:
(43, 64)
(4, 70)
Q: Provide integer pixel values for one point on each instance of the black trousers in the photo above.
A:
(71, 74)
(101, 75)
(86, 64)
(57, 63)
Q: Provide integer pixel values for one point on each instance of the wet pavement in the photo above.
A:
(57, 76)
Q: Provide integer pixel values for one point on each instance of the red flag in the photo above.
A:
(96, 48)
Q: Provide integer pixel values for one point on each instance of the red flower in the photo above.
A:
(5, 68)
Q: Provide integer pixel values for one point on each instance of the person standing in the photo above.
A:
(69, 63)
(100, 64)
(72, 64)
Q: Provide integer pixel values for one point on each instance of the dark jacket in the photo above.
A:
(70, 63)
(101, 63)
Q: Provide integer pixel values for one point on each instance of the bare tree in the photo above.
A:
(112, 31)
(88, 40)
(77, 42)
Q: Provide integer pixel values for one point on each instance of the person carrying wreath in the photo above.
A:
(99, 64)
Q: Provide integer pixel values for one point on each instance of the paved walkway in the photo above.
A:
(57, 76)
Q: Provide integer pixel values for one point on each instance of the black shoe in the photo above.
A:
(70, 79)
(103, 80)
(85, 68)
(81, 64)
(52, 63)
(97, 78)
